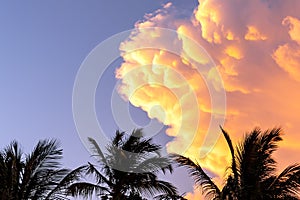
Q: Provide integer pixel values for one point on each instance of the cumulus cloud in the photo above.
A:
(256, 48)
(287, 56)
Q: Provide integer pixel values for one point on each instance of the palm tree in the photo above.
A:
(128, 170)
(34, 176)
(252, 171)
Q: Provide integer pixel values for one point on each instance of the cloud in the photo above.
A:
(287, 56)
(254, 34)
(256, 48)
(197, 194)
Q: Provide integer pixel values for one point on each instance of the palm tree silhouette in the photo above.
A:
(37, 175)
(127, 171)
(252, 171)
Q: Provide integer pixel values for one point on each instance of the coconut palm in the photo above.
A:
(252, 172)
(127, 170)
(34, 176)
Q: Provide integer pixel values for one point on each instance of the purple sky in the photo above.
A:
(42, 45)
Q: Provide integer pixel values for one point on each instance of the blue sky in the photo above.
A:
(42, 45)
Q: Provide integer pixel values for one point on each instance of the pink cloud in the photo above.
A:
(256, 47)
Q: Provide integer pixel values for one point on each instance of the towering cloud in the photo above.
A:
(256, 48)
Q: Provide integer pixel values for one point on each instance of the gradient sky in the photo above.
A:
(42, 45)
(255, 45)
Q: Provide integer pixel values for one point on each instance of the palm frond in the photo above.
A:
(147, 146)
(117, 141)
(65, 182)
(128, 169)
(91, 169)
(231, 148)
(42, 169)
(255, 160)
(152, 187)
(11, 170)
(103, 159)
(209, 188)
(34, 175)
(268, 144)
(249, 164)
(287, 182)
(96, 150)
(86, 189)
(155, 164)
(169, 197)
(135, 143)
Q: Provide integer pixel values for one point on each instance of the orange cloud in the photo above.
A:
(169, 88)
(254, 34)
(287, 56)
(256, 48)
(234, 52)
(294, 27)
(197, 194)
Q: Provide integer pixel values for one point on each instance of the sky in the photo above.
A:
(42, 47)
(241, 54)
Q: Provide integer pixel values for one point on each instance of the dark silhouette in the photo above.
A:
(252, 171)
(37, 175)
(128, 170)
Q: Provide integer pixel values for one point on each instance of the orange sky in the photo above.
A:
(256, 48)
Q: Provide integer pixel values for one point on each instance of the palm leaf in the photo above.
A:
(96, 150)
(129, 169)
(67, 180)
(287, 182)
(91, 169)
(209, 188)
(155, 164)
(231, 148)
(42, 169)
(87, 189)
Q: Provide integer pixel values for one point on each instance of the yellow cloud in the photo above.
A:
(254, 35)
(209, 17)
(234, 52)
(259, 77)
(294, 27)
(288, 58)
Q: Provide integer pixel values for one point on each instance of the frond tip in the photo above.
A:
(209, 188)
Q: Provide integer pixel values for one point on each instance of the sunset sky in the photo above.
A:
(251, 49)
